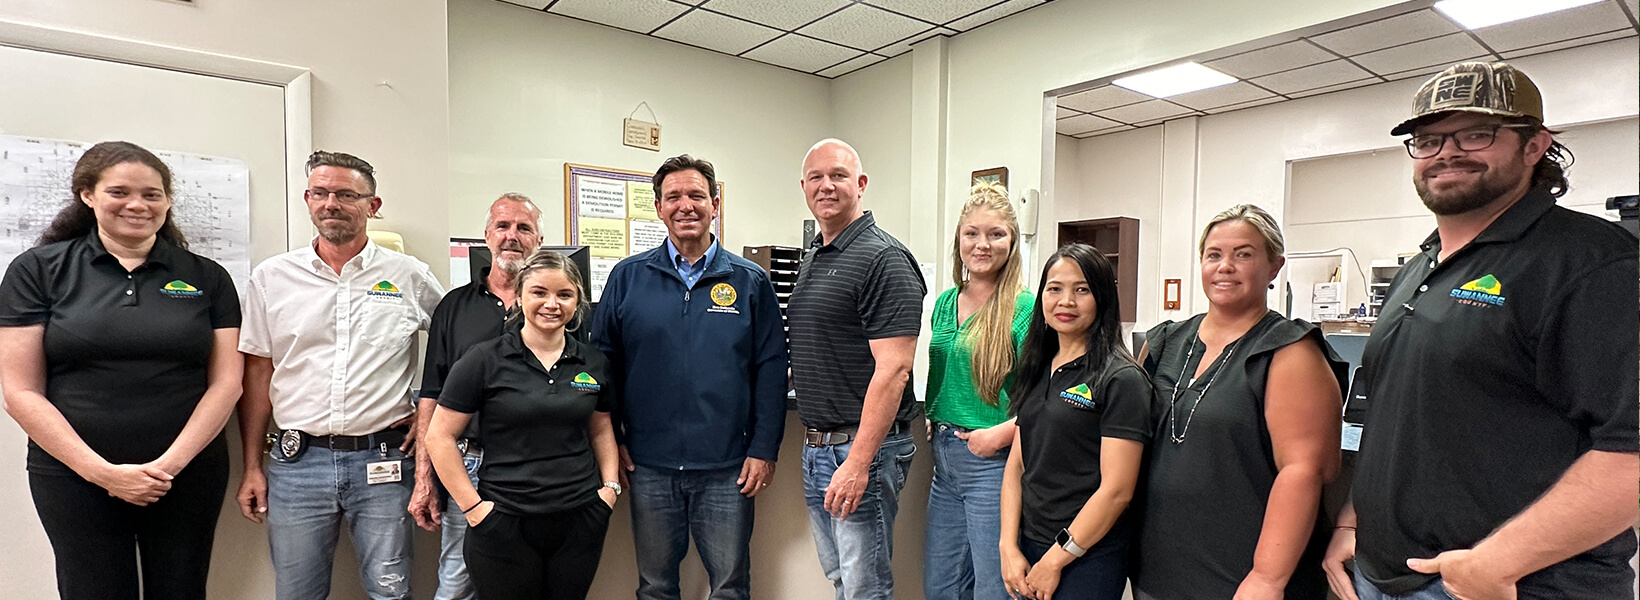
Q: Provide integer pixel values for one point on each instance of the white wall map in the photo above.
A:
(210, 199)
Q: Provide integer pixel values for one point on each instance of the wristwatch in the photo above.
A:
(614, 486)
(1064, 540)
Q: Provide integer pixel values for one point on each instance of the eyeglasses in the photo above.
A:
(1472, 139)
(345, 196)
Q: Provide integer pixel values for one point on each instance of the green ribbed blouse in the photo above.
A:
(951, 395)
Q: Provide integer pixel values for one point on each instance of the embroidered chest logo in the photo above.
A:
(723, 299)
(1483, 292)
(180, 289)
(384, 289)
(1079, 396)
(583, 381)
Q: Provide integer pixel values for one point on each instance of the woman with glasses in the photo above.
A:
(976, 327)
(548, 483)
(1249, 409)
(1083, 409)
(119, 358)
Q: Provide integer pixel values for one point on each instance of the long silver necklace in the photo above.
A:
(1173, 431)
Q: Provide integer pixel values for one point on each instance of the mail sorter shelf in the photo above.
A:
(781, 263)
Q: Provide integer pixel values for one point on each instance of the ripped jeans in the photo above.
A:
(308, 502)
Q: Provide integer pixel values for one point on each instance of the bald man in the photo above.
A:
(854, 319)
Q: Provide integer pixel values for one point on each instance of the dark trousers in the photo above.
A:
(96, 538)
(545, 557)
(1101, 574)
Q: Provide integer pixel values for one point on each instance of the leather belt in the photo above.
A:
(392, 438)
(815, 438)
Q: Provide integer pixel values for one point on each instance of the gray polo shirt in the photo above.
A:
(862, 286)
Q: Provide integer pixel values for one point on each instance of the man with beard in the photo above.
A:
(329, 337)
(1500, 451)
(468, 315)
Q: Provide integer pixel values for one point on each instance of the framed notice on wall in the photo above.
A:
(612, 211)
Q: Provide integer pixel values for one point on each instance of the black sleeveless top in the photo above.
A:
(1205, 497)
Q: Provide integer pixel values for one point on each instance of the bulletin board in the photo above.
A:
(612, 212)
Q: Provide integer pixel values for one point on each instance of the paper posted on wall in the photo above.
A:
(210, 199)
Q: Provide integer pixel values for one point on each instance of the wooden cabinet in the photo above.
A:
(780, 262)
(1118, 239)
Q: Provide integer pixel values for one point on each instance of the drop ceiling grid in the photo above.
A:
(1294, 72)
(875, 31)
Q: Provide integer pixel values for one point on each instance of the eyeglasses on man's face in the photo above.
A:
(344, 196)
(1471, 139)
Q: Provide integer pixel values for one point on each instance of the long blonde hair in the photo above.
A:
(992, 334)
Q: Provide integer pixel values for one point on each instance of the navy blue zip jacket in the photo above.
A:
(703, 369)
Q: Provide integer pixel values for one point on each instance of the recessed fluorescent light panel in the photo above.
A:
(1475, 14)
(1175, 80)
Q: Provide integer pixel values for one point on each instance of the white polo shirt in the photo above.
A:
(343, 346)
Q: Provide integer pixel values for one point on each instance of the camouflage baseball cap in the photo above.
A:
(1478, 87)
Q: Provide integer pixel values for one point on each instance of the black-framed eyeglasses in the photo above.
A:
(1473, 139)
(345, 196)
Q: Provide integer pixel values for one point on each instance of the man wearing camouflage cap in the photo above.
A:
(1499, 458)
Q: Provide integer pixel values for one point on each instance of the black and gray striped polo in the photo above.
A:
(864, 285)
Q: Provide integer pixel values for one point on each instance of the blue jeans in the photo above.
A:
(310, 499)
(855, 552)
(671, 506)
(960, 556)
(453, 582)
(1366, 591)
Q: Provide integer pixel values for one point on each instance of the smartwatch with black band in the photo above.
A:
(1064, 540)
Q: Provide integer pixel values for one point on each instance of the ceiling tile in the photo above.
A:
(1061, 112)
(1265, 61)
(804, 54)
(780, 14)
(904, 46)
(1224, 109)
(1348, 85)
(1311, 77)
(992, 14)
(1101, 98)
(695, 2)
(1163, 120)
(1601, 17)
(717, 32)
(1583, 41)
(1223, 95)
(1401, 29)
(1083, 124)
(1419, 73)
(1634, 7)
(641, 16)
(535, 4)
(855, 64)
(864, 27)
(1439, 51)
(1083, 136)
(934, 11)
(1144, 111)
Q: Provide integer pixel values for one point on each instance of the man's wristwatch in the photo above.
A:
(614, 485)
(1064, 540)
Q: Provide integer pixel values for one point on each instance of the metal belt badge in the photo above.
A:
(290, 446)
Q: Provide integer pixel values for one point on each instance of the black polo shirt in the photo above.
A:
(1063, 422)
(863, 286)
(537, 451)
(466, 316)
(1489, 374)
(127, 352)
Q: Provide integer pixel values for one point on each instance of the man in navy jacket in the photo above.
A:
(695, 335)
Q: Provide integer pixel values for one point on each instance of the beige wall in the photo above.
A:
(1349, 183)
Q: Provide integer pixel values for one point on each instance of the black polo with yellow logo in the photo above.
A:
(127, 352)
(1488, 375)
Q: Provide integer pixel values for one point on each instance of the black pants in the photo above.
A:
(96, 537)
(545, 557)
